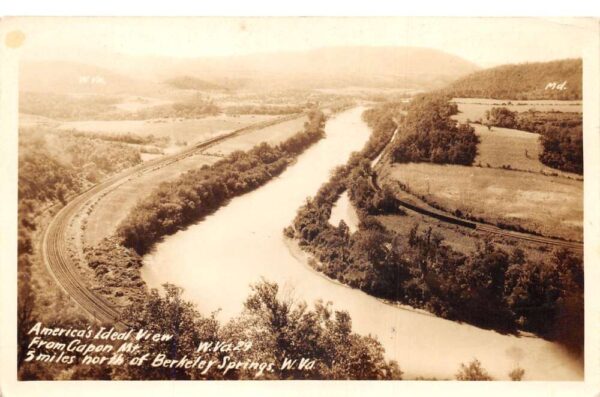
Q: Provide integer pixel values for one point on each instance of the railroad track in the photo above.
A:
(55, 242)
(482, 227)
(529, 237)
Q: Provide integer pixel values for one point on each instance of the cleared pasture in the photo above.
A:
(178, 130)
(552, 206)
(273, 135)
(474, 108)
(135, 103)
(111, 209)
(519, 150)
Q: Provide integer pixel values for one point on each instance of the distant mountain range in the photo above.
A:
(398, 67)
(61, 77)
(540, 80)
(335, 67)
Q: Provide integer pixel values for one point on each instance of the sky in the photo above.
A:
(485, 41)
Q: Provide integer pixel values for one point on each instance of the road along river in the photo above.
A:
(217, 259)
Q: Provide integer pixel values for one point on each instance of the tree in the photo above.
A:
(168, 314)
(428, 133)
(501, 117)
(472, 371)
(282, 329)
(26, 304)
(516, 374)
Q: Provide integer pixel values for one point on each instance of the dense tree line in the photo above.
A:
(491, 287)
(365, 195)
(525, 81)
(428, 133)
(42, 177)
(97, 158)
(126, 137)
(54, 166)
(199, 192)
(100, 107)
(278, 328)
(65, 107)
(563, 150)
(561, 134)
(191, 108)
(50, 171)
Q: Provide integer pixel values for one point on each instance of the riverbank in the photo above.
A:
(217, 259)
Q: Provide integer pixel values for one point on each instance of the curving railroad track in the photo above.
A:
(479, 226)
(64, 268)
(55, 240)
(487, 228)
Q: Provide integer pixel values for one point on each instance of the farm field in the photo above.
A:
(111, 209)
(179, 130)
(273, 135)
(519, 150)
(460, 239)
(503, 147)
(114, 207)
(474, 108)
(135, 103)
(552, 206)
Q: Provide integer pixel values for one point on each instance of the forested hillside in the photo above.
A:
(539, 80)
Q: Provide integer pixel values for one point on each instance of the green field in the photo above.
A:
(518, 150)
(111, 209)
(178, 130)
(114, 207)
(552, 206)
(509, 148)
(273, 135)
(474, 108)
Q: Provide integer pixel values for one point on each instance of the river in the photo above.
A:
(217, 259)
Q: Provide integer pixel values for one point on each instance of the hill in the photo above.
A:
(62, 77)
(333, 67)
(523, 81)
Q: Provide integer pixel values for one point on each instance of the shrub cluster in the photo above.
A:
(427, 133)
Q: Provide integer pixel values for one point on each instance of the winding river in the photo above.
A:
(217, 259)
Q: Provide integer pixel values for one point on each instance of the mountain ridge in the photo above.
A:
(328, 67)
(559, 79)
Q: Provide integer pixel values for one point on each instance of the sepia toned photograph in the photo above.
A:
(286, 198)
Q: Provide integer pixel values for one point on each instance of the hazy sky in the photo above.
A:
(485, 41)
